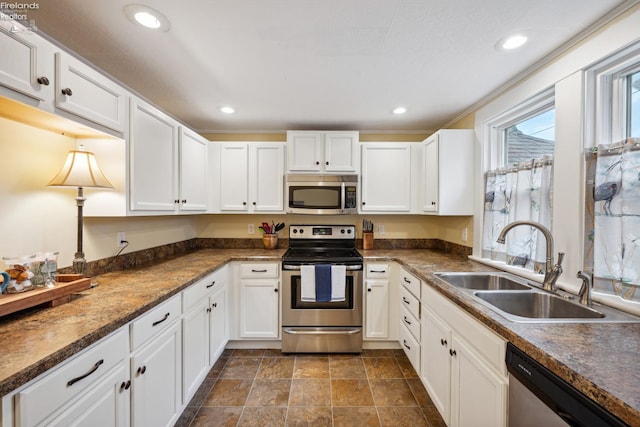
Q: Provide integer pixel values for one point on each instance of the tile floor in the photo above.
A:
(267, 388)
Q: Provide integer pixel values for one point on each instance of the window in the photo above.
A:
(612, 179)
(518, 182)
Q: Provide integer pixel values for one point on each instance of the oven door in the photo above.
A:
(296, 312)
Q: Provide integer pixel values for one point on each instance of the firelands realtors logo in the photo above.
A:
(18, 13)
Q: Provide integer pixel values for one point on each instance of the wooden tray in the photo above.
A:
(10, 303)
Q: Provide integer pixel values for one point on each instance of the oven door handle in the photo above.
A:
(297, 267)
(347, 331)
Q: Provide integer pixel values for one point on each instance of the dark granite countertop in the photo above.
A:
(601, 360)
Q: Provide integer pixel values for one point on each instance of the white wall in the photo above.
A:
(567, 75)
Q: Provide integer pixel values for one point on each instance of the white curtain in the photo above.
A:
(616, 193)
(522, 192)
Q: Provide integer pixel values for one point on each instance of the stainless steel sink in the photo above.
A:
(485, 281)
(537, 306)
(518, 300)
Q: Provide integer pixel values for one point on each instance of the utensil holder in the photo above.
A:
(270, 241)
(367, 240)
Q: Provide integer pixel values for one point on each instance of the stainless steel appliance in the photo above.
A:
(321, 327)
(538, 397)
(322, 194)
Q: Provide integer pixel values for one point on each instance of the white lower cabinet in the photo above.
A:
(410, 339)
(380, 314)
(156, 371)
(462, 365)
(259, 303)
(93, 385)
(204, 330)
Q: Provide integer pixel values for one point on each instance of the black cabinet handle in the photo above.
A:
(377, 271)
(176, 201)
(327, 163)
(211, 284)
(208, 309)
(363, 203)
(443, 341)
(452, 352)
(157, 322)
(317, 163)
(43, 80)
(404, 300)
(125, 385)
(404, 342)
(275, 290)
(406, 280)
(91, 371)
(368, 289)
(214, 305)
(258, 271)
(406, 320)
(142, 370)
(67, 91)
(184, 200)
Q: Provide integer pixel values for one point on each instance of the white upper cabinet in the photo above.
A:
(26, 66)
(322, 152)
(83, 91)
(252, 177)
(447, 171)
(168, 164)
(388, 177)
(193, 171)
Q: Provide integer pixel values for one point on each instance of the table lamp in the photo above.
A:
(80, 170)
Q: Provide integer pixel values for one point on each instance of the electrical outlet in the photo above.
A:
(251, 229)
(380, 228)
(465, 232)
(121, 239)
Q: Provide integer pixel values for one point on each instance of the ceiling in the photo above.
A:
(318, 64)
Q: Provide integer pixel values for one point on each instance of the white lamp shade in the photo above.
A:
(80, 170)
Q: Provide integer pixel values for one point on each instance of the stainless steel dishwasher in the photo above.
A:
(538, 397)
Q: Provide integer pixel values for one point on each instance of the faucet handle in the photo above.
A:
(560, 258)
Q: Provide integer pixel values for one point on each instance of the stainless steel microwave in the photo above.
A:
(322, 194)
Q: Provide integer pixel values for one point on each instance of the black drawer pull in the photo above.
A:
(406, 301)
(95, 368)
(258, 271)
(443, 341)
(406, 320)
(157, 322)
(377, 271)
(405, 344)
(211, 285)
(406, 280)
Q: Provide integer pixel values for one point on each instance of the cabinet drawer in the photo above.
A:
(377, 271)
(409, 302)
(411, 282)
(75, 376)
(254, 271)
(155, 321)
(410, 322)
(410, 346)
(194, 294)
(490, 346)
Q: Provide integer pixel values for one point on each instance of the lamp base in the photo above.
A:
(79, 263)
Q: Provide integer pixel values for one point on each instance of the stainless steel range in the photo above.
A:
(321, 325)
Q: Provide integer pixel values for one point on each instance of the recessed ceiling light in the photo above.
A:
(511, 42)
(146, 17)
(227, 109)
(399, 110)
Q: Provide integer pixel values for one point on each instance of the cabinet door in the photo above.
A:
(479, 397)
(85, 92)
(341, 152)
(105, 404)
(377, 309)
(386, 177)
(431, 172)
(259, 309)
(154, 154)
(234, 177)
(266, 177)
(26, 64)
(218, 325)
(195, 348)
(193, 171)
(435, 369)
(305, 150)
(156, 372)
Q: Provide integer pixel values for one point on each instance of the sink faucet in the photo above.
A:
(552, 272)
(585, 290)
